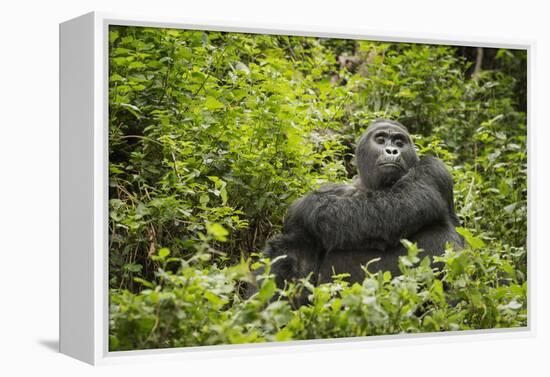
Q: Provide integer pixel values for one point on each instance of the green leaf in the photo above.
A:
(223, 194)
(164, 252)
(283, 335)
(134, 110)
(113, 36)
(133, 267)
(213, 298)
(204, 199)
(267, 290)
(217, 231)
(213, 104)
(114, 343)
(144, 282)
(474, 242)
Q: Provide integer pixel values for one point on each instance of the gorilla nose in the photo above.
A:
(392, 151)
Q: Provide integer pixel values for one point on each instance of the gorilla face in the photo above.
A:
(384, 154)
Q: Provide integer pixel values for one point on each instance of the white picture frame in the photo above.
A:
(84, 200)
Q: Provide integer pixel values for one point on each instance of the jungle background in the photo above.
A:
(213, 135)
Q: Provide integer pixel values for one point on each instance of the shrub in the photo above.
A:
(213, 135)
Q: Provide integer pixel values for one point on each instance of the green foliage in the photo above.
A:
(200, 305)
(213, 135)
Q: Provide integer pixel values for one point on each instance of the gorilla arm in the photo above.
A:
(343, 217)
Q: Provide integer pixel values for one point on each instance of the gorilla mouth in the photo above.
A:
(392, 164)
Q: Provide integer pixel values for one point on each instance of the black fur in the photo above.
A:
(338, 228)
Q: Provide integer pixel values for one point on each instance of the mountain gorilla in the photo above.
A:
(338, 228)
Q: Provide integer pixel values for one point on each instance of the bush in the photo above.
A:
(200, 304)
(213, 135)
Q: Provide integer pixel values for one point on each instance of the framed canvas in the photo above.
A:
(243, 188)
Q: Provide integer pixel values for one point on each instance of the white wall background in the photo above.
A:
(29, 185)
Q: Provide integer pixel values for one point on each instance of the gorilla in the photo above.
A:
(397, 195)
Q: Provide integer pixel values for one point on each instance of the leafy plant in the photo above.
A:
(213, 135)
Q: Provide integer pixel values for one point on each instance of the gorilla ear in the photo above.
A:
(353, 161)
(284, 266)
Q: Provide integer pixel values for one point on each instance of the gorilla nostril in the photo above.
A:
(391, 151)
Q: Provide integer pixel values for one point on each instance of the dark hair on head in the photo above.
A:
(380, 121)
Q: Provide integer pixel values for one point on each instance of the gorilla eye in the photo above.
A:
(399, 143)
(380, 140)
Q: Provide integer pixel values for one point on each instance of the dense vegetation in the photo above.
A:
(213, 135)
